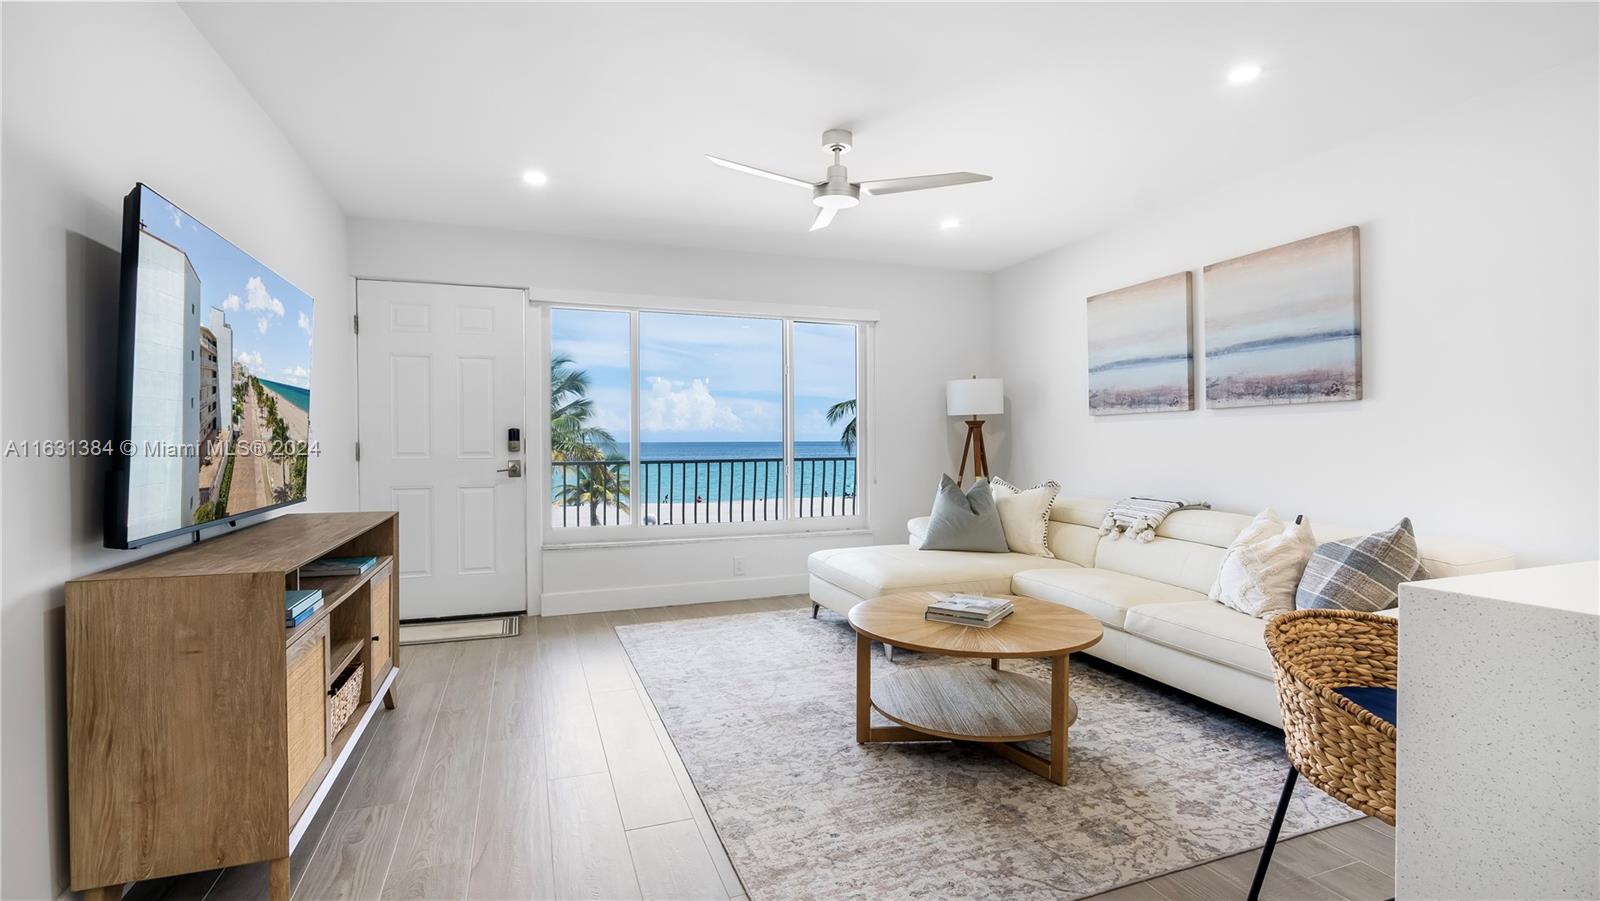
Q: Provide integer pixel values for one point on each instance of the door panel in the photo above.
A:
(442, 373)
(378, 591)
(307, 696)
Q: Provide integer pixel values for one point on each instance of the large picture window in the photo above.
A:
(679, 423)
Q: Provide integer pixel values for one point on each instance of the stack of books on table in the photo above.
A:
(968, 610)
(299, 606)
(337, 566)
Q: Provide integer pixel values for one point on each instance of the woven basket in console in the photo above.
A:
(1338, 745)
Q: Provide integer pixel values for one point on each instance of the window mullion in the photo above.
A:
(789, 485)
(635, 471)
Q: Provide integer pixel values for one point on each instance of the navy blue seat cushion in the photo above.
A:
(1378, 701)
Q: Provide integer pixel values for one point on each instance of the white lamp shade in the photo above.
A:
(974, 397)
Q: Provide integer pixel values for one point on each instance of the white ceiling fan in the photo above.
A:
(838, 192)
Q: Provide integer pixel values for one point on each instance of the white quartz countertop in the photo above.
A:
(1572, 587)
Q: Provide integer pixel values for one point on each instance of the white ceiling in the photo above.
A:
(1085, 114)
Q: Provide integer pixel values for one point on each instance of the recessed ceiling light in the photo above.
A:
(535, 178)
(949, 224)
(1244, 73)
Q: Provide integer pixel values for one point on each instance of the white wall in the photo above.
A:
(1479, 242)
(95, 98)
(934, 326)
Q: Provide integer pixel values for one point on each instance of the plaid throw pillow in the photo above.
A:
(1361, 573)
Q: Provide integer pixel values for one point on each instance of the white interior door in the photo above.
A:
(441, 372)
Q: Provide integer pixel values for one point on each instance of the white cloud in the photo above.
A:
(257, 298)
(305, 323)
(232, 304)
(297, 375)
(177, 219)
(251, 359)
(261, 325)
(676, 407)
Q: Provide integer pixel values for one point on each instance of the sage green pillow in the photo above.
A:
(965, 521)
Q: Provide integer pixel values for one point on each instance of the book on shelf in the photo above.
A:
(300, 605)
(337, 566)
(295, 620)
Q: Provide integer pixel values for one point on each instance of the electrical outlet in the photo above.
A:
(738, 566)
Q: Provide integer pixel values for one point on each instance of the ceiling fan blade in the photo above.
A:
(751, 170)
(920, 182)
(824, 216)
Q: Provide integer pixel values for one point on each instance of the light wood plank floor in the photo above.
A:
(536, 767)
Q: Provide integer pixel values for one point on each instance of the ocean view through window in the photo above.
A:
(701, 423)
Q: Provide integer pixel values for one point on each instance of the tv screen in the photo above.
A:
(214, 400)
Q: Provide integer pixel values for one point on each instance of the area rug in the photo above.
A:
(761, 708)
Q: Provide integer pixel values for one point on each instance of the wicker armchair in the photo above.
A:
(1321, 659)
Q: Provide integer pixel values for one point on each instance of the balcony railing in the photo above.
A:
(682, 492)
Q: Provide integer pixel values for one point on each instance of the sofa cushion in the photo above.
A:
(1217, 528)
(1362, 573)
(1104, 594)
(1187, 564)
(965, 520)
(1207, 630)
(1068, 541)
(884, 569)
(1025, 515)
(1261, 568)
(1441, 556)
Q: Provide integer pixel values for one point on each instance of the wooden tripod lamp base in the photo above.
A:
(974, 447)
(972, 398)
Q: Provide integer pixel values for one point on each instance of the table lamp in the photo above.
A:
(974, 397)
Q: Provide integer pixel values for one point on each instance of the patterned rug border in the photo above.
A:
(735, 852)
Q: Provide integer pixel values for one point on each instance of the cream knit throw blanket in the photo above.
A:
(1139, 517)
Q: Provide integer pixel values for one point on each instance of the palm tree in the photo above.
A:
(839, 411)
(281, 451)
(571, 437)
(597, 485)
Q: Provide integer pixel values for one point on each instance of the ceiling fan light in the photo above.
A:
(836, 201)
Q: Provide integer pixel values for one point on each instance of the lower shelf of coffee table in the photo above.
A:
(967, 703)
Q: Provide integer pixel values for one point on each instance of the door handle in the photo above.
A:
(513, 468)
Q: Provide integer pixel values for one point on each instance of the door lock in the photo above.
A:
(513, 469)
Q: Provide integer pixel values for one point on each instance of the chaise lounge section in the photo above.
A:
(1150, 596)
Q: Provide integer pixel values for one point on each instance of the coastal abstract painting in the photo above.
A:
(1283, 326)
(1141, 358)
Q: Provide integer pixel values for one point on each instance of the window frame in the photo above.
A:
(864, 322)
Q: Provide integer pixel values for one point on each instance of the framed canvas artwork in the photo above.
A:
(1141, 354)
(1283, 326)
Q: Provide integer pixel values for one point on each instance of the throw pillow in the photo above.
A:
(1362, 573)
(964, 521)
(1025, 515)
(1262, 566)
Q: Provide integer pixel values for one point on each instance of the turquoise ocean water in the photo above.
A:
(680, 471)
(294, 394)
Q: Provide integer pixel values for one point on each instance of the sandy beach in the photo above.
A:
(687, 513)
(298, 421)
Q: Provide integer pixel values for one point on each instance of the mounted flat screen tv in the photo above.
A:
(214, 381)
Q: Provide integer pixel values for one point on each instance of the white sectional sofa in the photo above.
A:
(1151, 596)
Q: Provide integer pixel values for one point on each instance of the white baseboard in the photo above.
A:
(561, 603)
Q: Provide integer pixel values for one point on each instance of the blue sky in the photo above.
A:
(709, 378)
(271, 319)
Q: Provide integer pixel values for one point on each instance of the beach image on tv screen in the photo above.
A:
(221, 388)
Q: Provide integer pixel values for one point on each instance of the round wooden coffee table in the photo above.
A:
(991, 706)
